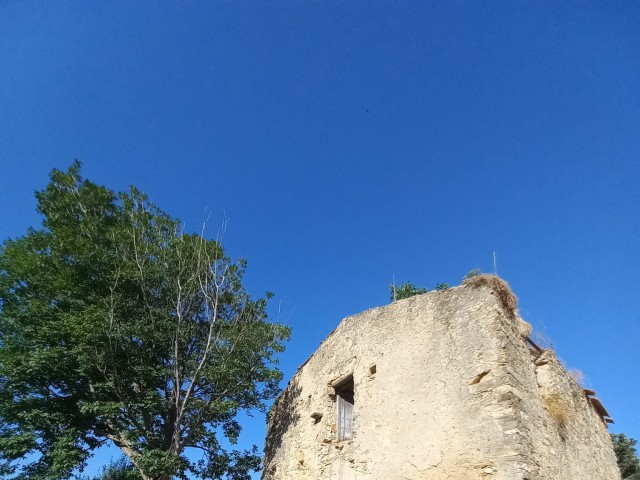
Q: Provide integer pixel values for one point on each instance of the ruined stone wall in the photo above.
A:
(571, 439)
(445, 388)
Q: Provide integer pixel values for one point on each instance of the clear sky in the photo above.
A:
(351, 142)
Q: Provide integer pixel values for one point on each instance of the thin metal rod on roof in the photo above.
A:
(393, 286)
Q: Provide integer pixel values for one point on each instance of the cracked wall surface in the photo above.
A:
(445, 387)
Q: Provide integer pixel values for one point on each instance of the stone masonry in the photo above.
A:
(443, 385)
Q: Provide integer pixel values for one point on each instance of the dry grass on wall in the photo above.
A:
(500, 287)
(559, 410)
(579, 376)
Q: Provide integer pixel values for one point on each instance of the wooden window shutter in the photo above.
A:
(345, 403)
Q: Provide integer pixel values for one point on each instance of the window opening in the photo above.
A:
(344, 409)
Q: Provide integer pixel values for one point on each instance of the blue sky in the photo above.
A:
(351, 142)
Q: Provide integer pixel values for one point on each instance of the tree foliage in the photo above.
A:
(405, 290)
(116, 326)
(120, 469)
(628, 461)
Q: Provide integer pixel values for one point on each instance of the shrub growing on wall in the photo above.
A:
(405, 290)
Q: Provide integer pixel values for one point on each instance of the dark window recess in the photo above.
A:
(344, 403)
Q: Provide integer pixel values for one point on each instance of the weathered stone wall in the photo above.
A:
(445, 388)
(571, 440)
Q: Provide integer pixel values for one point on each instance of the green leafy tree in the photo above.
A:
(442, 286)
(116, 326)
(121, 469)
(405, 290)
(628, 461)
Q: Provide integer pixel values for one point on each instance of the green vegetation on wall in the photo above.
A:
(405, 290)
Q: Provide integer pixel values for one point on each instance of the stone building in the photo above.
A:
(444, 385)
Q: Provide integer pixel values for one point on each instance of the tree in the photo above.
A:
(405, 290)
(628, 460)
(442, 286)
(120, 469)
(116, 326)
